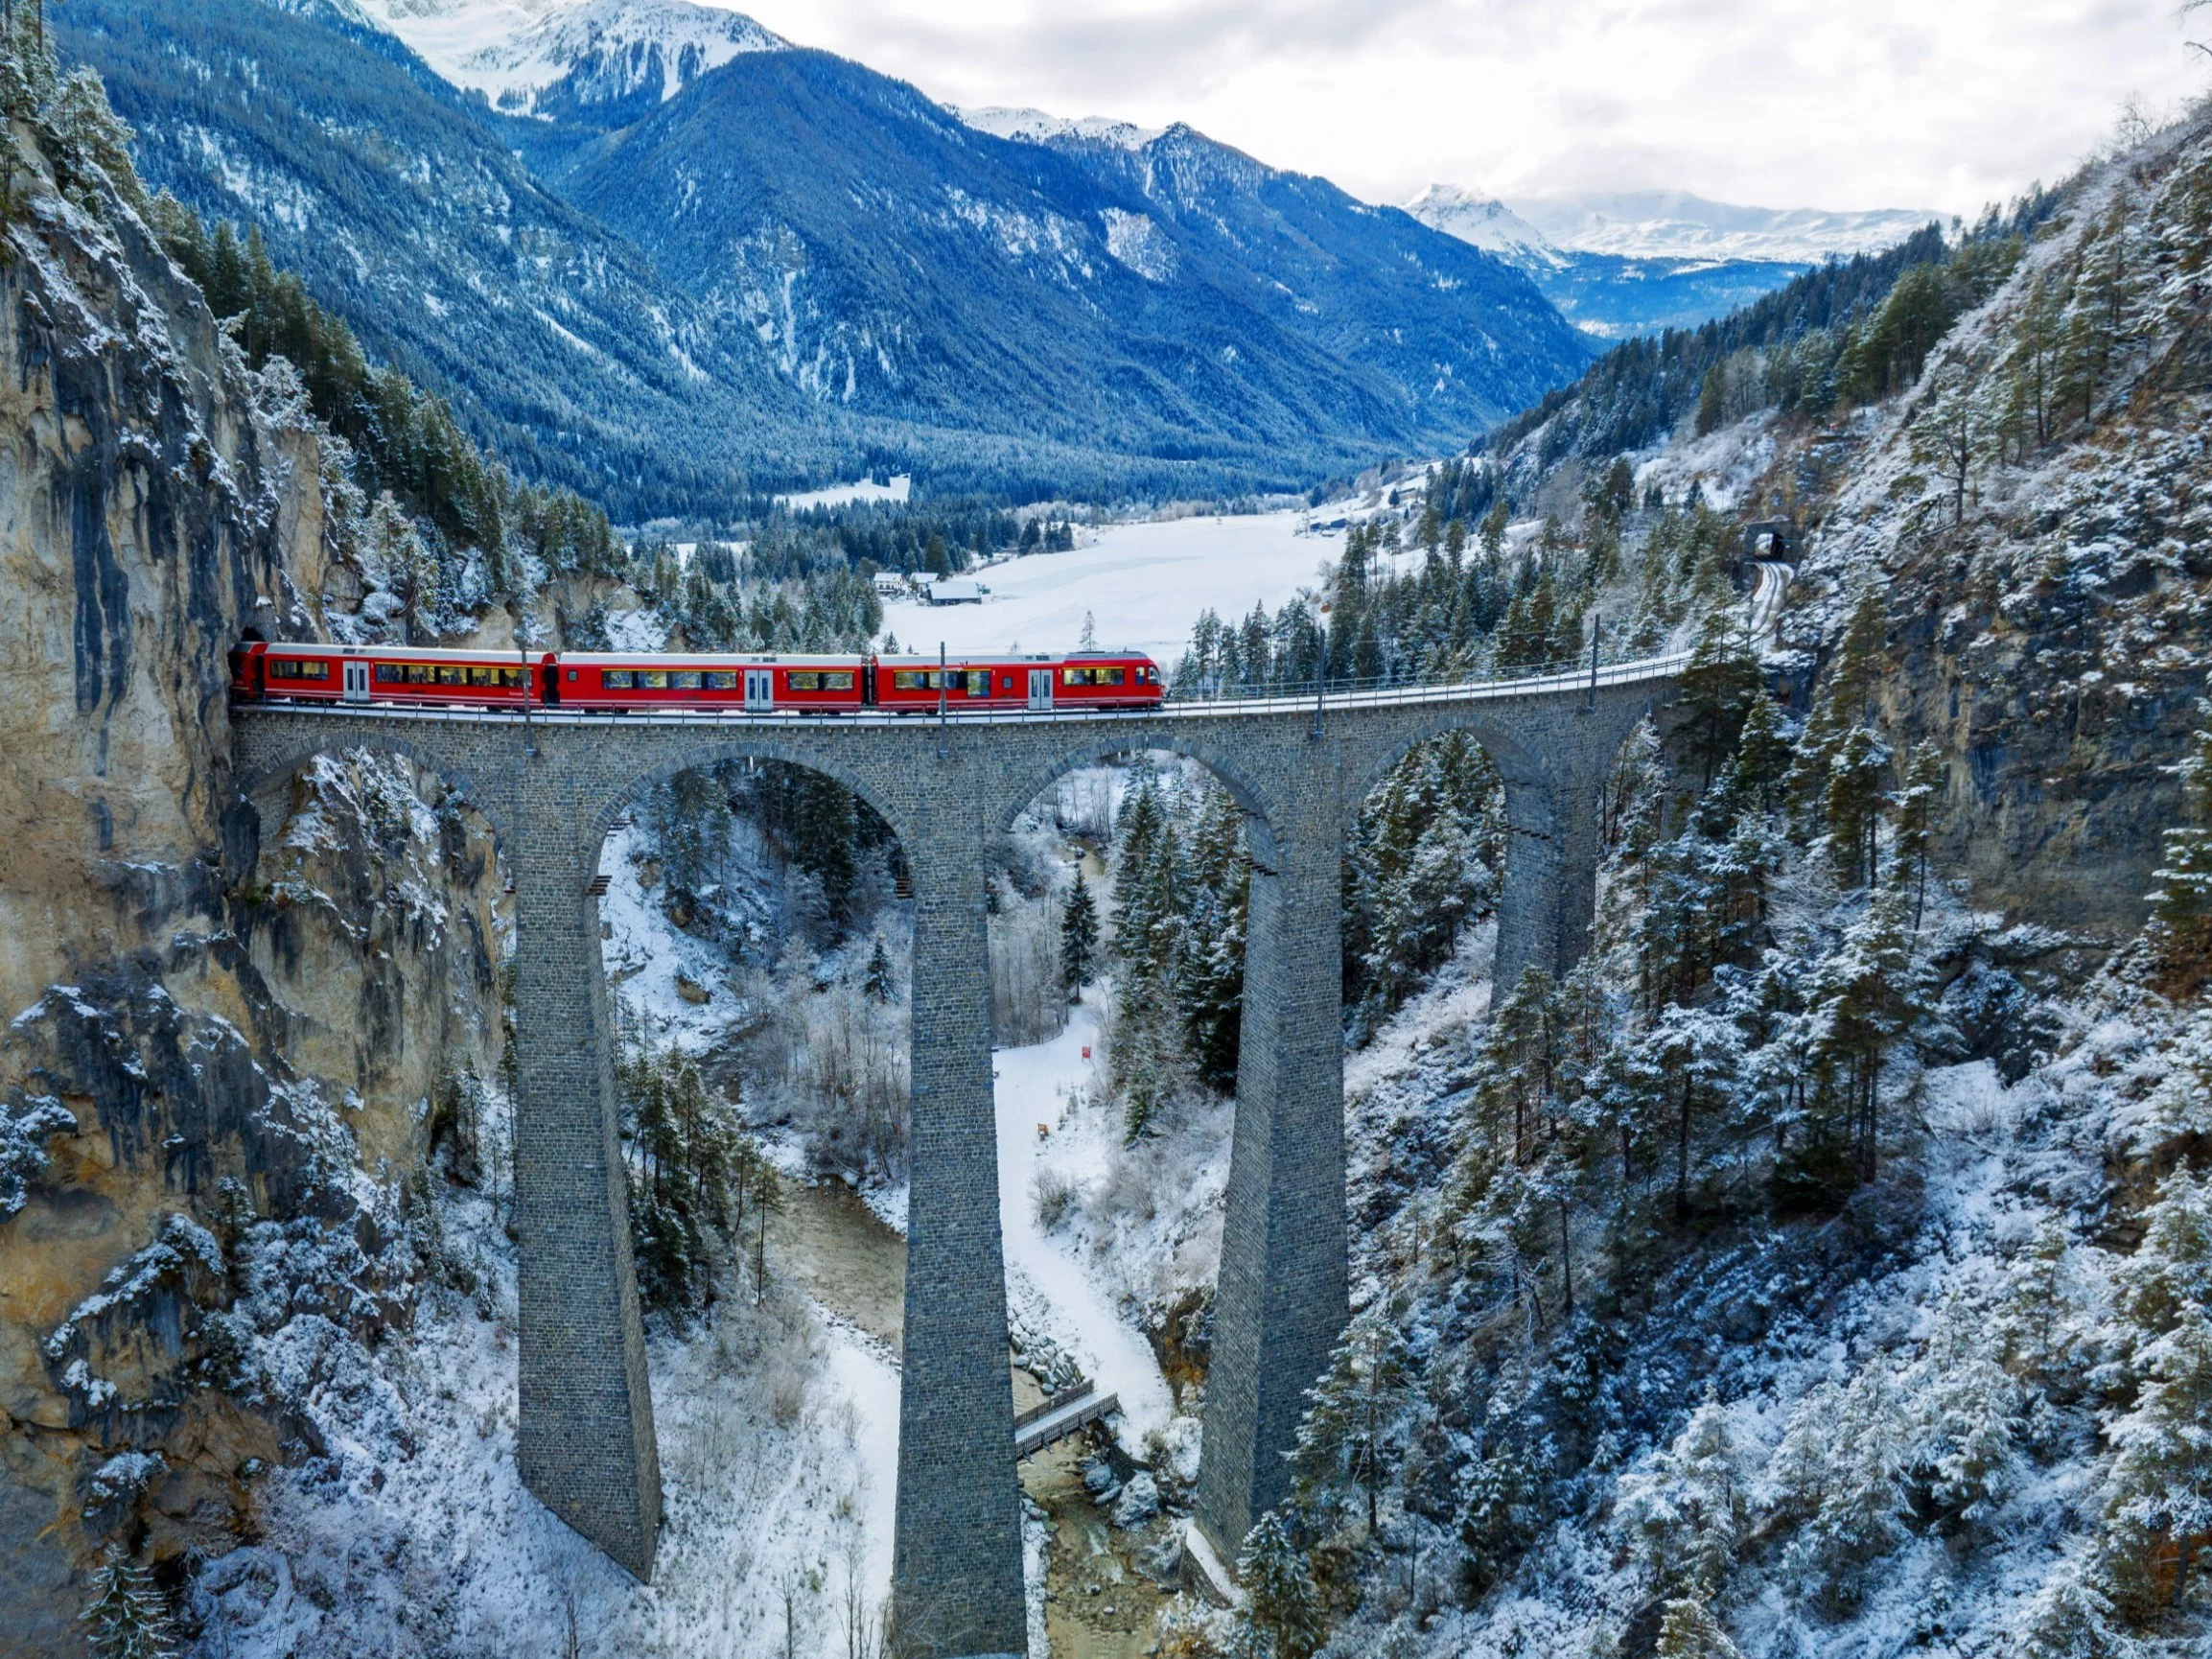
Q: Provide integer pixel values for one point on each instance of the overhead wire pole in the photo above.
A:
(1596, 633)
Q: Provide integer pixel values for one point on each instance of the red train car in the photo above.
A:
(622, 679)
(383, 674)
(759, 683)
(1086, 680)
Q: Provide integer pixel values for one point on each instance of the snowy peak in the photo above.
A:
(553, 57)
(1485, 223)
(1675, 224)
(1035, 127)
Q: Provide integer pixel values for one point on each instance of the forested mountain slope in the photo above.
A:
(384, 186)
(1824, 1266)
(789, 267)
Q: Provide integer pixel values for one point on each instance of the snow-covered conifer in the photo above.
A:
(1282, 1614)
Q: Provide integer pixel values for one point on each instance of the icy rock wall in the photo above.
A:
(222, 1025)
(2051, 638)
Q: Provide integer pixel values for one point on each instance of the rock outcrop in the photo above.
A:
(229, 1023)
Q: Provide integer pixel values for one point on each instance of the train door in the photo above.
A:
(1040, 688)
(759, 688)
(355, 680)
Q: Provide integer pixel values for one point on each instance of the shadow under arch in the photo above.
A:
(1260, 814)
(599, 814)
(252, 785)
(1516, 762)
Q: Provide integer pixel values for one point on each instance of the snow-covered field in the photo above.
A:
(1143, 585)
(899, 489)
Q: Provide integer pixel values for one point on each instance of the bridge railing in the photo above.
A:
(1337, 691)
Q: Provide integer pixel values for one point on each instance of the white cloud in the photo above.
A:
(1937, 104)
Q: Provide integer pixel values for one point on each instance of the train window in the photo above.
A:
(806, 679)
(391, 673)
(913, 680)
(1006, 682)
(653, 679)
(571, 676)
(685, 680)
(290, 668)
(1078, 676)
(511, 677)
(452, 676)
(483, 676)
(837, 679)
(1109, 677)
(617, 679)
(978, 683)
(420, 673)
(721, 679)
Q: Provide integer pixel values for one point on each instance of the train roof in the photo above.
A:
(501, 654)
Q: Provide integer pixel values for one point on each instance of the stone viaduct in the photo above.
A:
(1299, 768)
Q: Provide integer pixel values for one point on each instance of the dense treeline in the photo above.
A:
(1182, 874)
(1471, 605)
(936, 538)
(1421, 861)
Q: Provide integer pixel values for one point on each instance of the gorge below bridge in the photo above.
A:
(1299, 768)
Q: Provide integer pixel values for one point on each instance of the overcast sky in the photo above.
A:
(1920, 104)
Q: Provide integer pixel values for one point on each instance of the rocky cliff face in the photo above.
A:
(229, 1023)
(2039, 509)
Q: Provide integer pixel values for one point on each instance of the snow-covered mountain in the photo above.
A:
(1035, 127)
(1609, 294)
(1486, 222)
(1675, 224)
(542, 56)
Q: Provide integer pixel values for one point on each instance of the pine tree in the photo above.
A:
(1494, 526)
(127, 1617)
(1212, 985)
(1353, 1414)
(1763, 753)
(1078, 939)
(1689, 1631)
(1719, 684)
(1852, 803)
(2182, 900)
(2158, 1496)
(877, 984)
(2161, 1488)
(1282, 1616)
(1916, 807)
(1847, 698)
(1686, 1514)
(683, 1166)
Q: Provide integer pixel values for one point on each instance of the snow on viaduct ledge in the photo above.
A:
(1299, 766)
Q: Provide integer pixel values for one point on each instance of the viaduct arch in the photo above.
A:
(1300, 769)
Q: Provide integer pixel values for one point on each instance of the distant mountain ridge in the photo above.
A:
(1676, 225)
(657, 253)
(1628, 263)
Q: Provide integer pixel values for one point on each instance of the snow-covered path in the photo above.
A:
(1032, 1084)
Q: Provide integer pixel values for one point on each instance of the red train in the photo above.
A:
(602, 681)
